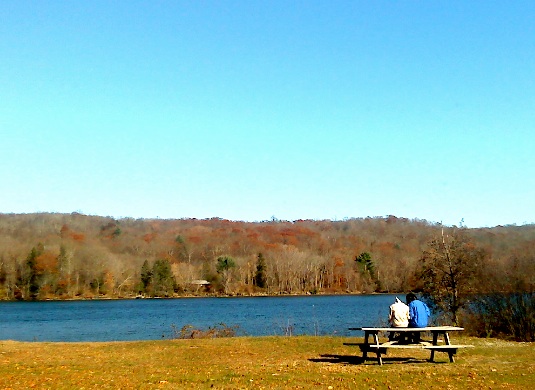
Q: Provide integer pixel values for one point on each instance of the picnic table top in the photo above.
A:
(426, 329)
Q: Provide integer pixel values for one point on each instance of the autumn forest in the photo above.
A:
(76, 256)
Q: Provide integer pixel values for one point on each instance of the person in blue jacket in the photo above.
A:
(418, 315)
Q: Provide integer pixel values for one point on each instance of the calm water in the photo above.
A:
(150, 319)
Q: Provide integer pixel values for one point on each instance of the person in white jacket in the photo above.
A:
(399, 314)
(398, 318)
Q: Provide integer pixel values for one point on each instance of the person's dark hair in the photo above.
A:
(411, 297)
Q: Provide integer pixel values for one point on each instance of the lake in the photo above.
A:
(151, 319)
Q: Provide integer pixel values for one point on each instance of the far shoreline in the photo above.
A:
(260, 295)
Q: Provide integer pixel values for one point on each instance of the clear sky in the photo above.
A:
(248, 110)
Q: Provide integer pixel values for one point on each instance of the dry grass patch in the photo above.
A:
(258, 362)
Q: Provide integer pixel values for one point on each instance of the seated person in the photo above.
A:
(418, 315)
(398, 318)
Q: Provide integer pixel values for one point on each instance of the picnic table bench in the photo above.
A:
(381, 348)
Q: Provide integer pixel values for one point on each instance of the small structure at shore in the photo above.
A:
(201, 283)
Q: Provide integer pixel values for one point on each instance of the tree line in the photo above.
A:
(76, 256)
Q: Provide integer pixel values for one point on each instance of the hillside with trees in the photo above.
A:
(76, 256)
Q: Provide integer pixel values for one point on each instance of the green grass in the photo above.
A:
(260, 362)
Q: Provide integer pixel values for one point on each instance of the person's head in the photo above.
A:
(411, 297)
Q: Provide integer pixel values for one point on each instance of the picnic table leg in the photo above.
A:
(376, 339)
(366, 341)
(447, 341)
(435, 342)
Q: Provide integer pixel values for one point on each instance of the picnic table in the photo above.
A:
(372, 344)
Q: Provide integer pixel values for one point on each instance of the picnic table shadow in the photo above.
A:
(353, 359)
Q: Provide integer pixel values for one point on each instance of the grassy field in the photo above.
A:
(260, 362)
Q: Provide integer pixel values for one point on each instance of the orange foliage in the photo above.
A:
(195, 239)
(149, 237)
(46, 262)
(253, 236)
(331, 246)
(338, 262)
(78, 237)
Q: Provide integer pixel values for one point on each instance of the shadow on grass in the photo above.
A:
(352, 359)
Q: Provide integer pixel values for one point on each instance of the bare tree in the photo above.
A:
(450, 271)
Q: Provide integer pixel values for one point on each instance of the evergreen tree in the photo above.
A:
(225, 263)
(182, 249)
(260, 278)
(32, 276)
(367, 268)
(145, 278)
(163, 281)
(223, 267)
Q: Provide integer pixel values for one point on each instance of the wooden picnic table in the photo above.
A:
(433, 346)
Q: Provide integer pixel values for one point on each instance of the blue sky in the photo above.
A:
(250, 109)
